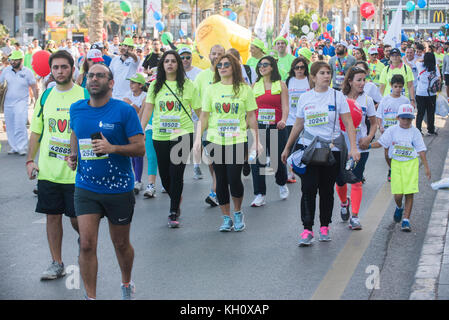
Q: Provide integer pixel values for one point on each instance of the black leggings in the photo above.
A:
(322, 179)
(426, 104)
(228, 170)
(172, 166)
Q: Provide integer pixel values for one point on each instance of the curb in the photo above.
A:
(434, 255)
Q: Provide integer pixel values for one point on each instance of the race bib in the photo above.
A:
(169, 124)
(86, 151)
(267, 116)
(388, 122)
(228, 127)
(339, 79)
(59, 148)
(317, 119)
(294, 102)
(403, 151)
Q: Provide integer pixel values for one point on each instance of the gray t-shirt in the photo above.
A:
(339, 68)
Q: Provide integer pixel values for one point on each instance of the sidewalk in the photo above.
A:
(432, 275)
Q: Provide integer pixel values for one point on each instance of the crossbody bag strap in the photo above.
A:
(335, 116)
(179, 101)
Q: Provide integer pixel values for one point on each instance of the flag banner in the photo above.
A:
(265, 22)
(393, 35)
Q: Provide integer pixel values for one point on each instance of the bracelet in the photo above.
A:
(29, 161)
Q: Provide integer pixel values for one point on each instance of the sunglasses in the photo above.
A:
(299, 67)
(100, 75)
(223, 65)
(186, 57)
(265, 64)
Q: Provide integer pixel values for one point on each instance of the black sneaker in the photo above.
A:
(344, 211)
(246, 169)
(389, 175)
(432, 133)
(173, 220)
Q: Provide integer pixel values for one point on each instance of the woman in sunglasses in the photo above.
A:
(171, 99)
(297, 83)
(228, 105)
(272, 101)
(353, 88)
(318, 112)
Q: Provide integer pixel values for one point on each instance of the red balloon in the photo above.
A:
(367, 10)
(356, 114)
(125, 13)
(326, 35)
(40, 63)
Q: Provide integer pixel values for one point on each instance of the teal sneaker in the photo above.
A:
(239, 223)
(324, 234)
(227, 224)
(406, 226)
(306, 238)
(398, 214)
(128, 293)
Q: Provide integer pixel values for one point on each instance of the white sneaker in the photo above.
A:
(258, 201)
(163, 190)
(283, 192)
(150, 191)
(137, 187)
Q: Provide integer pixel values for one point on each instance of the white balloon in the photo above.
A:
(310, 36)
(416, 28)
(347, 20)
(305, 29)
(314, 17)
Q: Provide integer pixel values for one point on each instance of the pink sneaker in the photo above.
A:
(306, 238)
(324, 234)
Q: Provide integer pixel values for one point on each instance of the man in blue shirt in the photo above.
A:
(100, 46)
(328, 50)
(106, 133)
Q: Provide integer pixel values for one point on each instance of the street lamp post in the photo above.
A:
(144, 15)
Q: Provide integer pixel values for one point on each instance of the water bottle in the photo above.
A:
(252, 156)
(349, 164)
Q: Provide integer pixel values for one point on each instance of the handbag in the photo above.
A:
(3, 90)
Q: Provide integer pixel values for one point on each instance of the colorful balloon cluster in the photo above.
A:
(230, 14)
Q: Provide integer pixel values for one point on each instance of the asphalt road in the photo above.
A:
(198, 262)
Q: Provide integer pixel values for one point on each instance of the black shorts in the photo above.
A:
(446, 79)
(117, 207)
(55, 198)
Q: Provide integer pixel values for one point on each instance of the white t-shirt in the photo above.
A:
(18, 83)
(373, 91)
(295, 89)
(368, 110)
(122, 70)
(193, 73)
(423, 80)
(403, 144)
(388, 109)
(318, 111)
(137, 100)
(245, 75)
(415, 71)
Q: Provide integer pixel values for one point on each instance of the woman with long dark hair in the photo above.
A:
(171, 99)
(425, 96)
(359, 54)
(272, 101)
(353, 88)
(228, 105)
(297, 84)
(317, 115)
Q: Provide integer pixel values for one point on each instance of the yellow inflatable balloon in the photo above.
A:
(219, 30)
(200, 61)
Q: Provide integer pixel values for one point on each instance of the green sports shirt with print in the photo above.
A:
(52, 122)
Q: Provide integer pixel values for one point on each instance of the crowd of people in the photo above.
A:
(104, 107)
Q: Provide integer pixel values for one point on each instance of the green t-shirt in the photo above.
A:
(252, 62)
(375, 71)
(170, 120)
(389, 72)
(204, 79)
(54, 125)
(439, 57)
(227, 113)
(284, 65)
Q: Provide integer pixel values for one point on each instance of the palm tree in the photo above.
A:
(218, 7)
(96, 21)
(170, 8)
(137, 17)
(111, 14)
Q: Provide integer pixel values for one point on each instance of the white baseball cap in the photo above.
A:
(343, 43)
(95, 55)
(184, 50)
(373, 50)
(406, 111)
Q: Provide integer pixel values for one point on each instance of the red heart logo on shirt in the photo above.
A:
(62, 125)
(170, 105)
(226, 107)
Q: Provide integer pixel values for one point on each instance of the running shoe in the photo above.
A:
(24, 152)
(212, 199)
(291, 179)
(246, 169)
(163, 190)
(258, 201)
(354, 223)
(173, 220)
(227, 224)
(150, 191)
(197, 174)
(137, 187)
(389, 175)
(406, 226)
(283, 192)
(54, 271)
(306, 238)
(128, 293)
(432, 133)
(345, 210)
(324, 234)
(398, 214)
(239, 224)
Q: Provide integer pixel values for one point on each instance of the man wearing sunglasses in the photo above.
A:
(186, 57)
